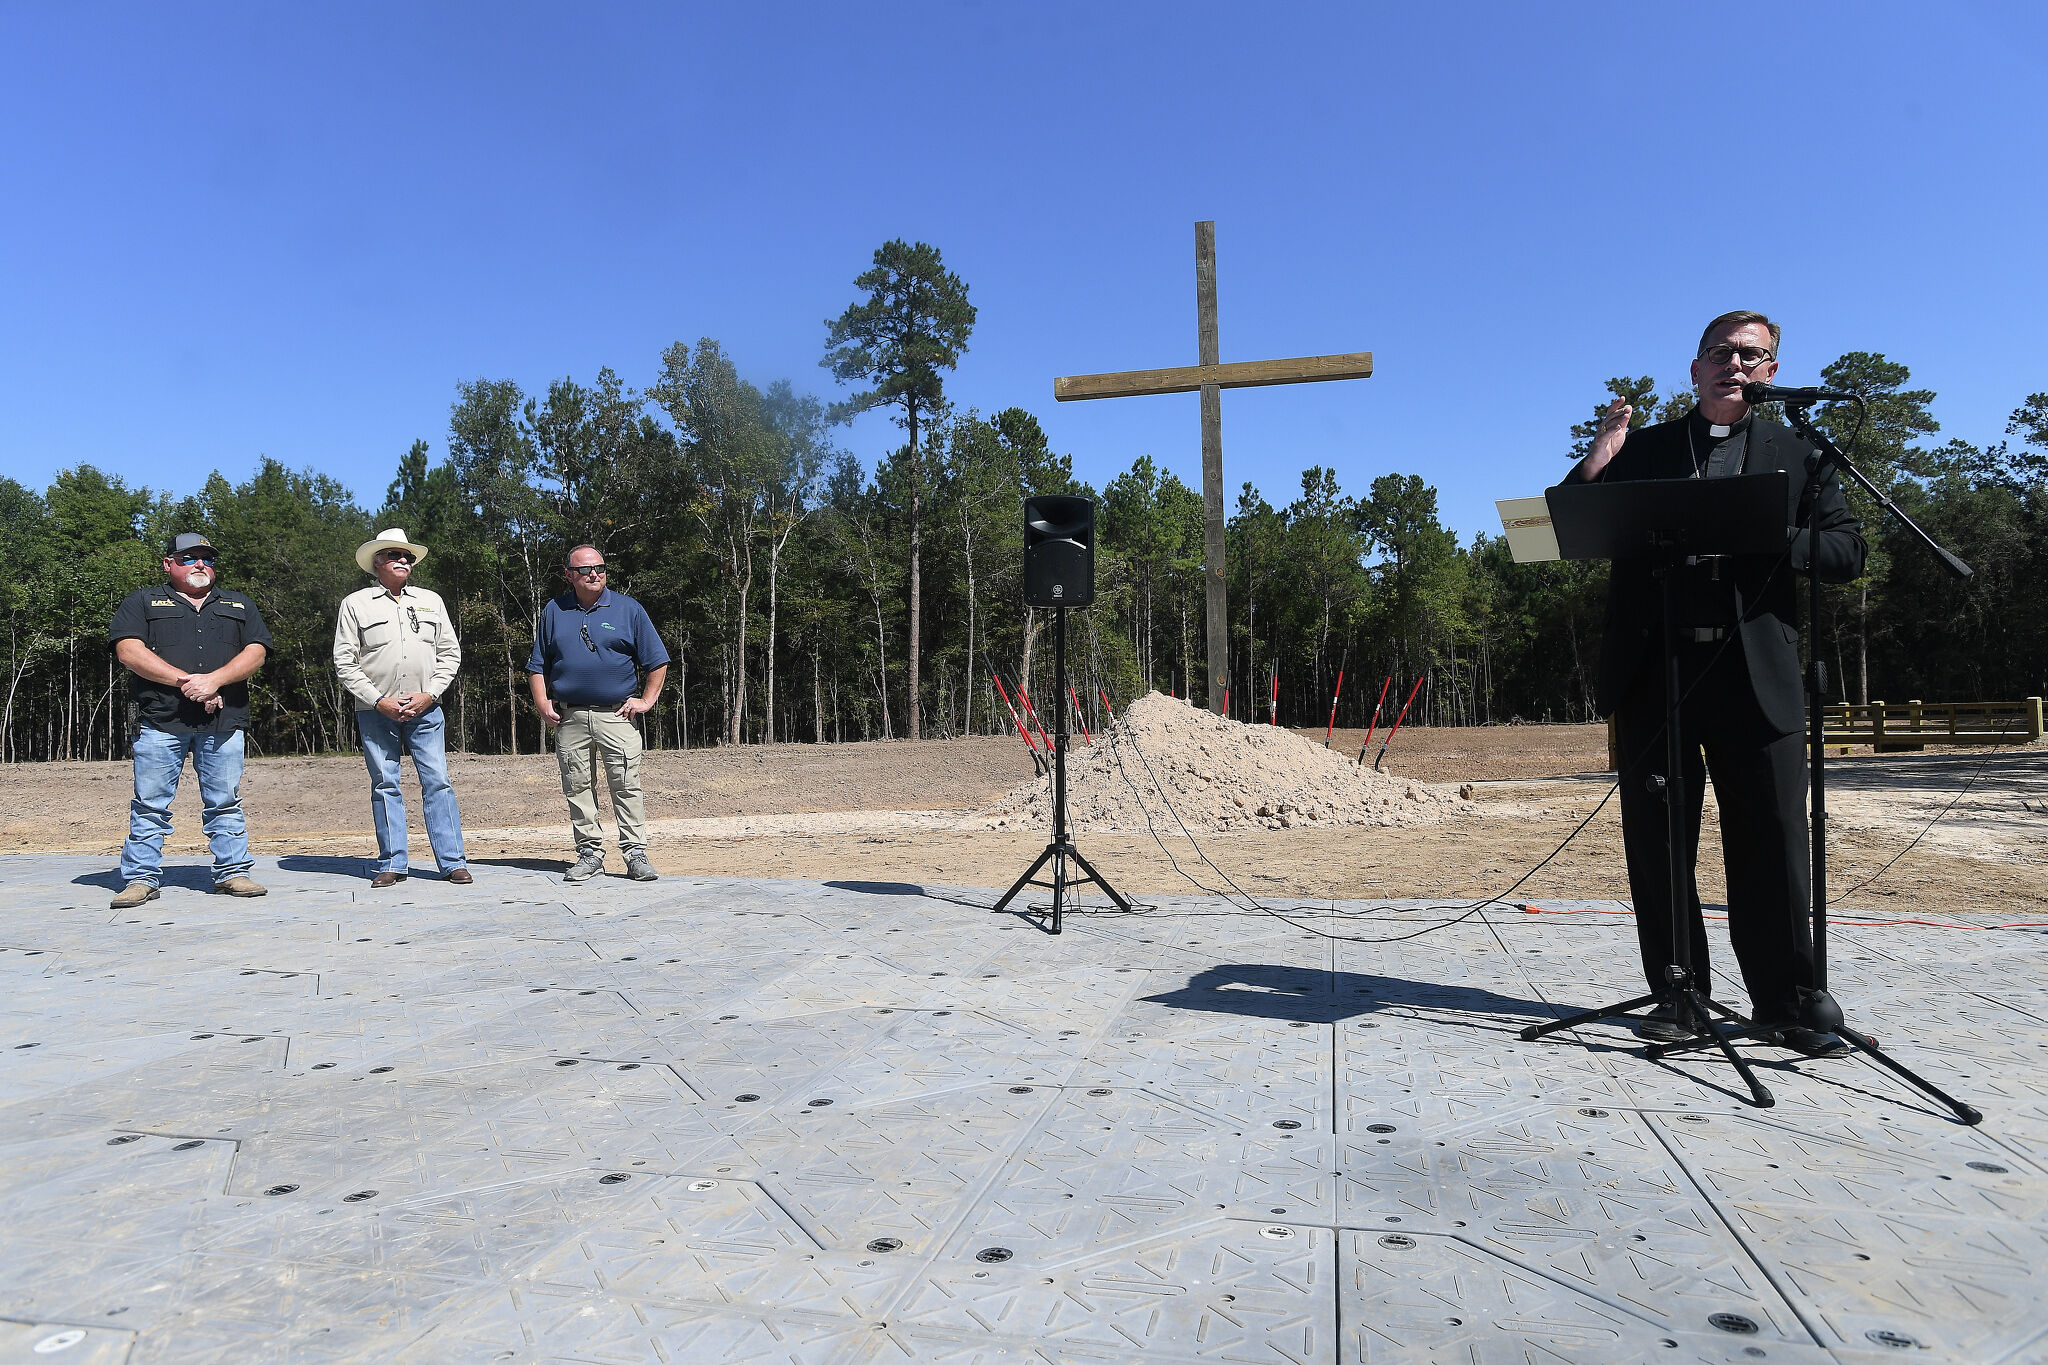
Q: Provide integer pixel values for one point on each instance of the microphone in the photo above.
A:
(1756, 392)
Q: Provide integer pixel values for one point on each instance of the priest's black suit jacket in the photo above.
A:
(1767, 601)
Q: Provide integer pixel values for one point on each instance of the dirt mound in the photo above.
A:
(1219, 775)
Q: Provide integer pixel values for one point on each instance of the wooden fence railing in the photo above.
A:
(1891, 727)
(1916, 724)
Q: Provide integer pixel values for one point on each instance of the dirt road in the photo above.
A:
(883, 813)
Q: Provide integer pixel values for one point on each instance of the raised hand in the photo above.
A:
(1607, 441)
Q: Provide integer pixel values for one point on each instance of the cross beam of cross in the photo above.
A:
(1210, 378)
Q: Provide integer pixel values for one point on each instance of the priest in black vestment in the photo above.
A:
(1744, 712)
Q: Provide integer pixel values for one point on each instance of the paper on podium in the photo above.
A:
(1527, 524)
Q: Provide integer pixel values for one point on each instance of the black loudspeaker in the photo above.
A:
(1059, 551)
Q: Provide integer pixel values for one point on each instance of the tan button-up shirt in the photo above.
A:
(386, 646)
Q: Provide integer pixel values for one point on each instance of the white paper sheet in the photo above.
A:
(1526, 521)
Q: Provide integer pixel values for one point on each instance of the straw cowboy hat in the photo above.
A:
(393, 539)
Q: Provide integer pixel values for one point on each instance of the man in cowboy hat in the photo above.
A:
(191, 646)
(396, 652)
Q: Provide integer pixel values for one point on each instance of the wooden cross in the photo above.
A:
(1211, 377)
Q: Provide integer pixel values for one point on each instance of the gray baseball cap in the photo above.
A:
(186, 543)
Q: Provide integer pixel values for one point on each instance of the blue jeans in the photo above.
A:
(424, 737)
(159, 763)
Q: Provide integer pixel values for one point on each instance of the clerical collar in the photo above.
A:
(1720, 430)
(1724, 451)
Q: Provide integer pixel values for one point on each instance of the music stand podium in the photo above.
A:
(1670, 522)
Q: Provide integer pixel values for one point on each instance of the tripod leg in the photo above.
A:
(1059, 886)
(1744, 1029)
(1764, 1099)
(1535, 1031)
(1025, 880)
(1096, 877)
(1870, 1049)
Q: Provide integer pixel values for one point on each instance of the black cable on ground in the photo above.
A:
(1932, 820)
(1113, 730)
(1466, 911)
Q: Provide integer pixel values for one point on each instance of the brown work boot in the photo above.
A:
(132, 895)
(460, 877)
(384, 879)
(239, 886)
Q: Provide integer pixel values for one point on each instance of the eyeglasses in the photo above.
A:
(394, 557)
(412, 614)
(590, 643)
(590, 570)
(187, 561)
(1751, 356)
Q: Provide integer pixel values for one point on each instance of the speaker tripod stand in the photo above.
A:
(1061, 851)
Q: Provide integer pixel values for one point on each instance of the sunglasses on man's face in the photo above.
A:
(590, 570)
(395, 557)
(187, 561)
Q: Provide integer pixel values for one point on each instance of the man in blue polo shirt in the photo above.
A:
(592, 648)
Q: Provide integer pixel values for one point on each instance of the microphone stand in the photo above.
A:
(1818, 1009)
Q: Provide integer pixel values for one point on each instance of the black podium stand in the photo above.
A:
(1670, 522)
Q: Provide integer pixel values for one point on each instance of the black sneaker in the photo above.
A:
(1661, 1026)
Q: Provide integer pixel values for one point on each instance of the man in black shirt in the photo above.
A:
(191, 648)
(1739, 667)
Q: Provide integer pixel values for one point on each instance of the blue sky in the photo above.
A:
(233, 231)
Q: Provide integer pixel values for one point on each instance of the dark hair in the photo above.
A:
(1741, 317)
(574, 548)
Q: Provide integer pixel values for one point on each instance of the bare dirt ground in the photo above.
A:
(893, 813)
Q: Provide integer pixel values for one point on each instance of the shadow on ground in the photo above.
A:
(1300, 995)
(177, 876)
(355, 869)
(524, 864)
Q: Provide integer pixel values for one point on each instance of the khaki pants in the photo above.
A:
(584, 737)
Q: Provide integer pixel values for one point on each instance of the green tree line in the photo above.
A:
(806, 598)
